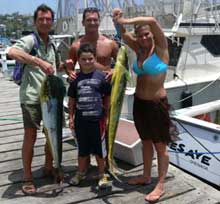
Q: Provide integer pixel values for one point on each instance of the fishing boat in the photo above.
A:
(197, 149)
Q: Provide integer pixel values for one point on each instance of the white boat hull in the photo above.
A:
(198, 148)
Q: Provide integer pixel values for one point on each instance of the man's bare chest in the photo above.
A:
(103, 51)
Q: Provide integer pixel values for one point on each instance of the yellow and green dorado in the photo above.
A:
(51, 98)
(119, 81)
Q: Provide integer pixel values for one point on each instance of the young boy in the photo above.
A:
(88, 95)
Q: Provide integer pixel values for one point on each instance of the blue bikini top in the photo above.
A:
(152, 66)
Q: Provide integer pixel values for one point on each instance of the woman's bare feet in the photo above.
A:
(140, 180)
(156, 194)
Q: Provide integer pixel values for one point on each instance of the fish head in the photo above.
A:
(55, 86)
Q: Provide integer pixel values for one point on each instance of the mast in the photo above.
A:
(86, 4)
(59, 9)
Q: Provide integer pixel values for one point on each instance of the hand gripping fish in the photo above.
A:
(119, 81)
(51, 97)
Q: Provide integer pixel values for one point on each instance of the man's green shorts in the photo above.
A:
(32, 115)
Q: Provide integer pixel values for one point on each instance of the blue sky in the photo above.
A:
(28, 6)
(24, 6)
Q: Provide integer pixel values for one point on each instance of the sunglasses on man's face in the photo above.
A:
(91, 9)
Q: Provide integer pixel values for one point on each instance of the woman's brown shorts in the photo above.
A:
(152, 119)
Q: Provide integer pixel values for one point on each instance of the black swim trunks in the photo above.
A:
(90, 137)
(152, 119)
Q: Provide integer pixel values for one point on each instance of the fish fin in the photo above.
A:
(128, 76)
(114, 175)
(114, 171)
(113, 79)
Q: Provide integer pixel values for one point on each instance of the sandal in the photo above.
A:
(77, 179)
(28, 187)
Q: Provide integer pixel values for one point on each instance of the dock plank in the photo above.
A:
(15, 153)
(180, 187)
(193, 196)
(15, 164)
(9, 122)
(88, 191)
(10, 110)
(9, 127)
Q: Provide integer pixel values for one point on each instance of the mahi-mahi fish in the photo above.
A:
(51, 97)
(119, 81)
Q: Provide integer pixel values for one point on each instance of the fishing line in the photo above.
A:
(198, 141)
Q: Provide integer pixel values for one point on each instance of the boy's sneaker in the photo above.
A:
(79, 176)
(103, 182)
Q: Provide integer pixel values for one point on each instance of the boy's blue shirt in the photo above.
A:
(88, 91)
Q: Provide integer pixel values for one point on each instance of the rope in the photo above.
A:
(197, 92)
(12, 119)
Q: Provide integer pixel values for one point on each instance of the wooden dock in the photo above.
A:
(181, 188)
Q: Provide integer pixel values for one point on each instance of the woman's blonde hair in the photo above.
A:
(137, 27)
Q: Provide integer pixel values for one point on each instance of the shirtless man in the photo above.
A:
(105, 47)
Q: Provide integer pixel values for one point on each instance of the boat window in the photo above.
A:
(175, 45)
(211, 43)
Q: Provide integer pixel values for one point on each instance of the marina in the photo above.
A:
(180, 187)
(192, 85)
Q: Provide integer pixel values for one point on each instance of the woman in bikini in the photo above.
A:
(150, 109)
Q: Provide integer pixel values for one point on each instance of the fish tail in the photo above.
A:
(112, 173)
(114, 170)
(111, 170)
(59, 175)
